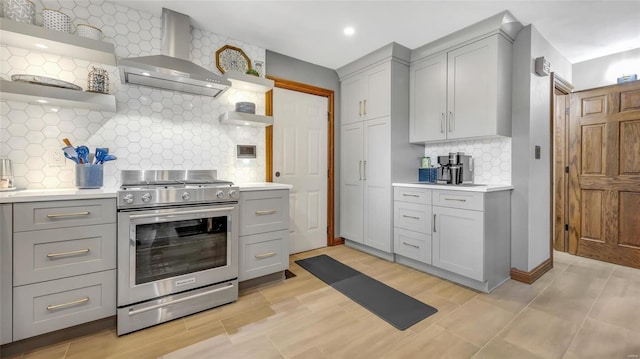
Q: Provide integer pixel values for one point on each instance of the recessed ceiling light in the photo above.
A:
(349, 31)
(42, 46)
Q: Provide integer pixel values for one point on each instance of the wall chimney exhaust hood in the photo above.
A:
(172, 70)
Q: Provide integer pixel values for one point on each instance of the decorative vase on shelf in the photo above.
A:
(98, 80)
(259, 67)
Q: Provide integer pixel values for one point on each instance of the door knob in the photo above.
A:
(278, 174)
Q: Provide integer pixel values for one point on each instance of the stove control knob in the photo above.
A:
(233, 193)
(186, 196)
(146, 197)
(128, 198)
(220, 194)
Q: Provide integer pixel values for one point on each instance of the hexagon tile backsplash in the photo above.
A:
(151, 129)
(492, 157)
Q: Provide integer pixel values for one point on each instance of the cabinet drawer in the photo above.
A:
(412, 195)
(263, 254)
(48, 306)
(31, 216)
(411, 216)
(263, 211)
(459, 199)
(65, 252)
(412, 245)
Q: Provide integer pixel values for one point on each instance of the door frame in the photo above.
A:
(318, 91)
(565, 87)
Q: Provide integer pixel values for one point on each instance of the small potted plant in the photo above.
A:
(252, 72)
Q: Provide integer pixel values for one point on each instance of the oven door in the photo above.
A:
(171, 250)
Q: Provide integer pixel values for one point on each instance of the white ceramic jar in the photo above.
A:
(19, 10)
(56, 20)
(89, 31)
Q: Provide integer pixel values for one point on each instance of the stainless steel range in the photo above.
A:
(177, 245)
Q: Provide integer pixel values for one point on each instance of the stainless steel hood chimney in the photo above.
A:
(172, 70)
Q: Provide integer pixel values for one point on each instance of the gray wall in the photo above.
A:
(289, 68)
(605, 70)
(530, 201)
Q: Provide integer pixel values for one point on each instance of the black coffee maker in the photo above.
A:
(456, 168)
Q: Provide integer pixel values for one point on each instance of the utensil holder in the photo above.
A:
(89, 175)
(19, 10)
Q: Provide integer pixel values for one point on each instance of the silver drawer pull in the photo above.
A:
(265, 255)
(74, 214)
(262, 213)
(410, 195)
(412, 217)
(410, 245)
(455, 199)
(76, 302)
(72, 253)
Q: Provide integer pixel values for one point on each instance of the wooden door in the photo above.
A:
(560, 177)
(604, 174)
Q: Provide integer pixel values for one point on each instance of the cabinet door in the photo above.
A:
(351, 182)
(458, 241)
(6, 270)
(427, 114)
(377, 102)
(353, 95)
(377, 184)
(473, 89)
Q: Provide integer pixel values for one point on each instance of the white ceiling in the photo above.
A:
(312, 30)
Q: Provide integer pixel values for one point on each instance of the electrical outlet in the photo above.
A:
(55, 157)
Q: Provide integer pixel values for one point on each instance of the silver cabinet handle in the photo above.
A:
(364, 102)
(364, 169)
(74, 214)
(434, 223)
(160, 305)
(64, 254)
(360, 108)
(412, 217)
(455, 199)
(410, 245)
(410, 195)
(75, 302)
(442, 123)
(262, 213)
(360, 170)
(452, 122)
(265, 255)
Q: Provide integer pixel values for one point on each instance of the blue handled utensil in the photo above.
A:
(70, 153)
(108, 157)
(100, 153)
(83, 154)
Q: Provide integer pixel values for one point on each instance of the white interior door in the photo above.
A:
(300, 159)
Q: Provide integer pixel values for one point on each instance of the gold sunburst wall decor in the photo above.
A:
(231, 58)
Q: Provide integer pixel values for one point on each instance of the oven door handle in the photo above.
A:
(179, 213)
(160, 305)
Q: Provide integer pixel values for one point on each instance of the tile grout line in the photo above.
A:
(589, 312)
(518, 314)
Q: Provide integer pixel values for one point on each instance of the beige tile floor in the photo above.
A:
(579, 309)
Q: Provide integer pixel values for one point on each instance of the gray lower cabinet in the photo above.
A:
(264, 233)
(6, 282)
(63, 265)
(458, 235)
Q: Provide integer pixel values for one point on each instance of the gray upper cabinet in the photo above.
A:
(460, 86)
(367, 95)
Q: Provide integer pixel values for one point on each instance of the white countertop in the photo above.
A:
(262, 186)
(55, 194)
(448, 187)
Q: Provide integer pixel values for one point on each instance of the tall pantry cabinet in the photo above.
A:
(375, 149)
